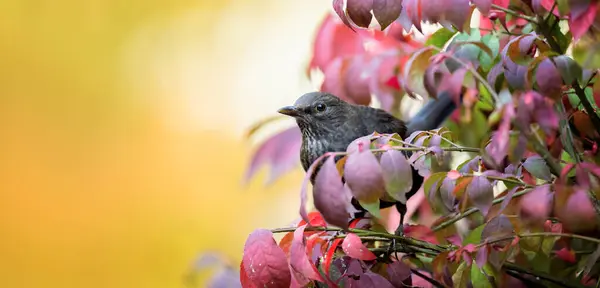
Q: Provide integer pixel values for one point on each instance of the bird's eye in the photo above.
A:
(320, 107)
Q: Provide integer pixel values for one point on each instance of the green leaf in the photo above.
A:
(372, 208)
(493, 43)
(563, 40)
(537, 167)
(461, 277)
(434, 179)
(439, 38)
(563, 7)
(568, 68)
(414, 70)
(479, 278)
(474, 237)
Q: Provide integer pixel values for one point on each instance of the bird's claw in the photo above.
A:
(392, 247)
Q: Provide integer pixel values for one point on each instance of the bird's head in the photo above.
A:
(317, 110)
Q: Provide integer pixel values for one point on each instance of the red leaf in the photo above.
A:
(421, 232)
(397, 174)
(280, 151)
(363, 176)
(286, 243)
(329, 255)
(580, 24)
(264, 262)
(481, 194)
(566, 255)
(315, 219)
(498, 148)
(303, 269)
(360, 12)
(549, 79)
(536, 205)
(386, 11)
(334, 40)
(552, 227)
(330, 197)
(244, 280)
(354, 248)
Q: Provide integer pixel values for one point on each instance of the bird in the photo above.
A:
(329, 124)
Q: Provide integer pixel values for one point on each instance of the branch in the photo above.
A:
(515, 13)
(473, 210)
(540, 275)
(533, 138)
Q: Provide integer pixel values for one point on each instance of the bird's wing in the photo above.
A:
(432, 115)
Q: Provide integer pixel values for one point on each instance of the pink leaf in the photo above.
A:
(386, 11)
(338, 7)
(397, 174)
(481, 194)
(354, 248)
(334, 40)
(537, 204)
(482, 256)
(580, 24)
(363, 176)
(330, 197)
(498, 148)
(303, 189)
(264, 262)
(356, 81)
(302, 268)
(498, 227)
(360, 12)
(578, 213)
(280, 151)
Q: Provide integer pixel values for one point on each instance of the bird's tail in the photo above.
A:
(433, 114)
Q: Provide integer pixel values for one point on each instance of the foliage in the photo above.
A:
(527, 194)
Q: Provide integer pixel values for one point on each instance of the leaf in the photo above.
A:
(498, 227)
(414, 70)
(483, 6)
(568, 68)
(399, 274)
(537, 167)
(280, 151)
(264, 262)
(329, 255)
(370, 279)
(578, 213)
(315, 219)
(591, 260)
(244, 280)
(482, 256)
(360, 12)
(498, 148)
(386, 11)
(353, 247)
(536, 205)
(461, 276)
(548, 79)
(300, 264)
(363, 176)
(397, 174)
(440, 37)
(474, 237)
(507, 198)
(338, 7)
(478, 278)
(481, 194)
(581, 24)
(372, 207)
(330, 197)
(566, 255)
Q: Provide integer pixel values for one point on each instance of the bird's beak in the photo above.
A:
(289, 111)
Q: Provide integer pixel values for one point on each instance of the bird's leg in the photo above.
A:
(400, 229)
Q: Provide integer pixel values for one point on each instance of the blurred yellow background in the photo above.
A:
(121, 133)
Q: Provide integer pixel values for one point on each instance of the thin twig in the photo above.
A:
(587, 105)
(514, 13)
(426, 278)
(540, 234)
(473, 210)
(540, 275)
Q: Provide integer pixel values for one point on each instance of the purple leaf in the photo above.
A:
(225, 278)
(482, 256)
(471, 166)
(548, 79)
(537, 204)
(386, 11)
(280, 151)
(447, 194)
(353, 247)
(507, 198)
(481, 194)
(363, 176)
(537, 167)
(300, 265)
(330, 197)
(498, 227)
(360, 12)
(338, 7)
(397, 174)
(264, 261)
(498, 148)
(483, 6)
(359, 144)
(370, 279)
(399, 274)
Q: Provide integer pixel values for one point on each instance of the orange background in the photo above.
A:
(121, 133)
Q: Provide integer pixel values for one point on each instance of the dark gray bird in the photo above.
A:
(329, 124)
